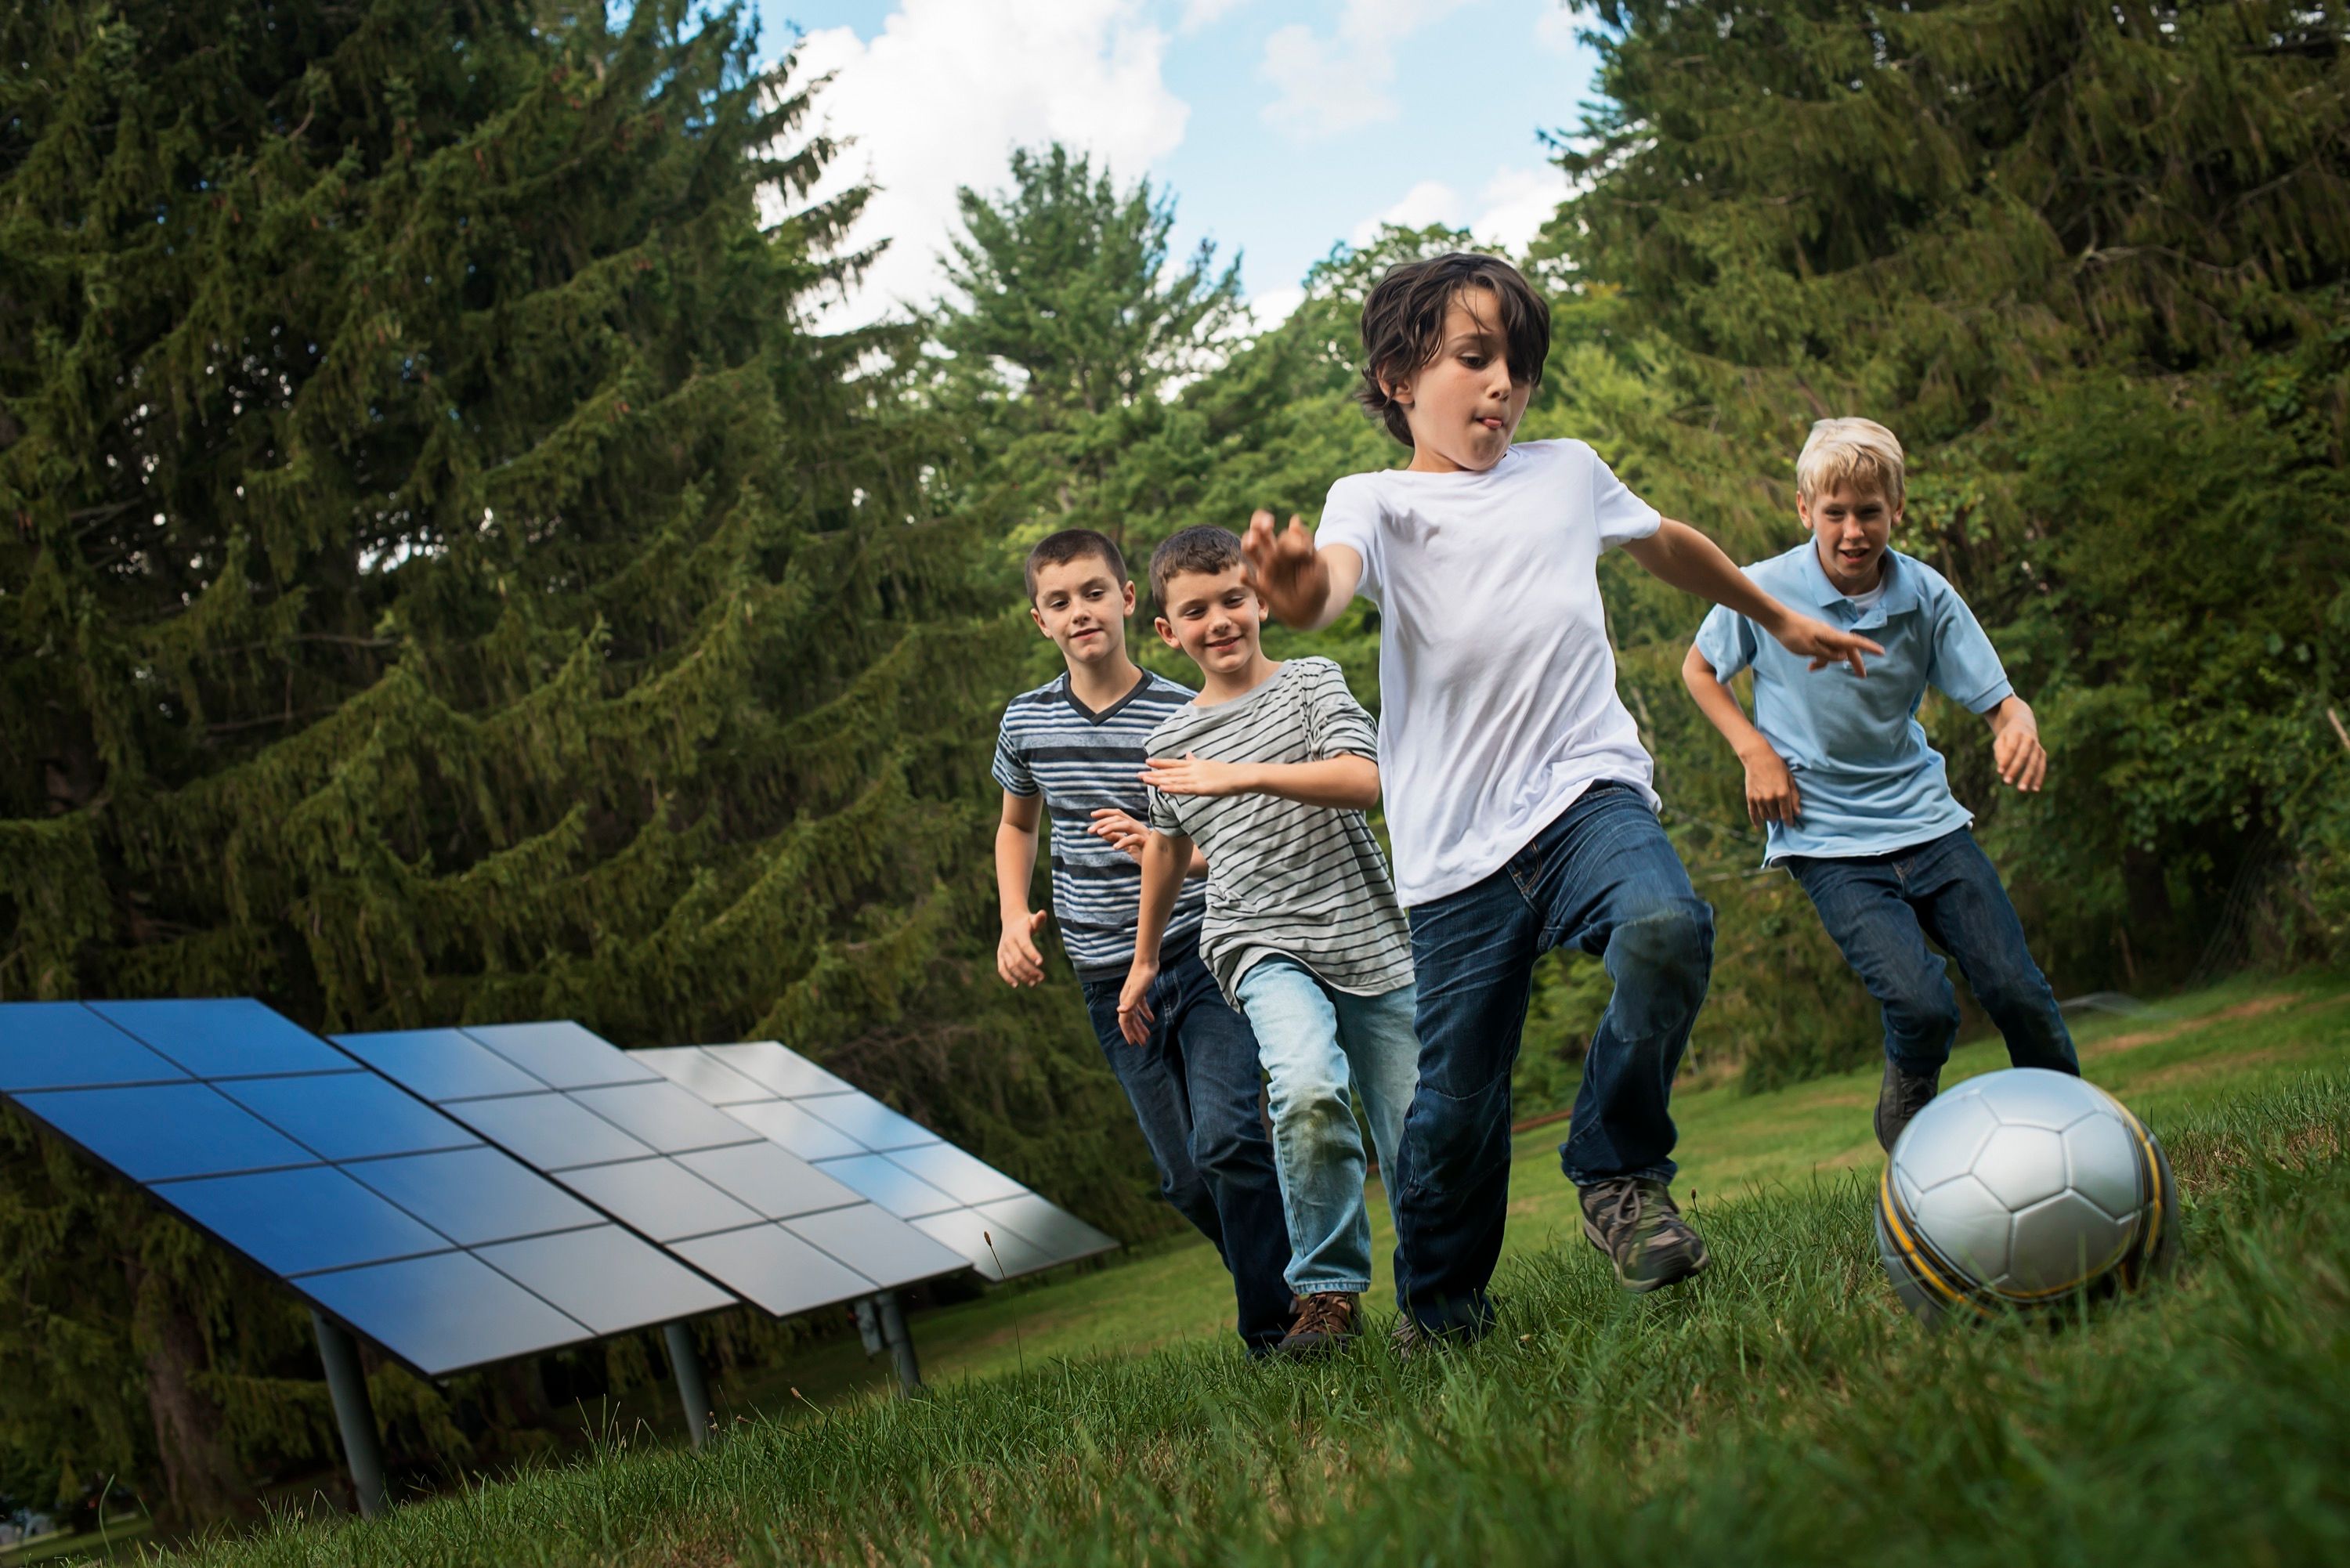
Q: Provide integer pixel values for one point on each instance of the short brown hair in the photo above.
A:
(1072, 545)
(1403, 324)
(1204, 549)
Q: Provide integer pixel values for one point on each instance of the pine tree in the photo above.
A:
(445, 581)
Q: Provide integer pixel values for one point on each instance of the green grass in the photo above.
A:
(1779, 1410)
(121, 1538)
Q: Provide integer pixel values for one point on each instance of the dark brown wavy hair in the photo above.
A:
(1403, 324)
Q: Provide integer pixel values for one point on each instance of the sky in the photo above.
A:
(1281, 127)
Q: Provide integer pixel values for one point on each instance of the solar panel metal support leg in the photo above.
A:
(692, 1391)
(346, 1386)
(900, 1341)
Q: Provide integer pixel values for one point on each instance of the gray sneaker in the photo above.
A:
(1633, 1219)
(1899, 1098)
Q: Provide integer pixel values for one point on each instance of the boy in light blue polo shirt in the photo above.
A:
(1854, 803)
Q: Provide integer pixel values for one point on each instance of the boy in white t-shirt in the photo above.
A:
(1517, 791)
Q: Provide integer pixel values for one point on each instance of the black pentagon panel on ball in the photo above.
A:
(1001, 1228)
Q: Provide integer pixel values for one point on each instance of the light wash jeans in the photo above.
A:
(1318, 1043)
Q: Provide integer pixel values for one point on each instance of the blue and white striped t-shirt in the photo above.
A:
(1085, 760)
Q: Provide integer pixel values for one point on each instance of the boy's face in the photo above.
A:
(1461, 405)
(1849, 528)
(1082, 606)
(1215, 618)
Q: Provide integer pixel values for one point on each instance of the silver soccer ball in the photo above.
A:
(2023, 1189)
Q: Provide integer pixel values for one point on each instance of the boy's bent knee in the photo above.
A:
(1666, 942)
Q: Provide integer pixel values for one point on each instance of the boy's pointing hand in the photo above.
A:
(1823, 644)
(1286, 570)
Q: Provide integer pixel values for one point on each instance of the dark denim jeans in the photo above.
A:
(1880, 908)
(1193, 1086)
(1602, 877)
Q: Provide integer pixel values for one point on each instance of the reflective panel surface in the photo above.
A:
(788, 1072)
(898, 1191)
(444, 1313)
(660, 1198)
(773, 1268)
(348, 1115)
(775, 1181)
(441, 1064)
(709, 1079)
(165, 1130)
(65, 1045)
(607, 1279)
(961, 1177)
(297, 1222)
(561, 1055)
(222, 1037)
(890, 1254)
(546, 1131)
(996, 1252)
(475, 1195)
(782, 1122)
(664, 1117)
(868, 1121)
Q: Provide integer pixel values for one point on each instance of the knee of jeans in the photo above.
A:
(1317, 1119)
(1668, 945)
(1923, 999)
(1223, 1151)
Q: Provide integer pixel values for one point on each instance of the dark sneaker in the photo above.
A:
(1326, 1322)
(1899, 1098)
(1410, 1342)
(1632, 1219)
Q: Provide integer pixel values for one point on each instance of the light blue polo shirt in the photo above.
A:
(1868, 781)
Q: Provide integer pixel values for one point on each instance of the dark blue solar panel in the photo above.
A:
(898, 1191)
(660, 1198)
(547, 1130)
(607, 1279)
(65, 1045)
(294, 1221)
(439, 1064)
(444, 1313)
(665, 1116)
(348, 1115)
(165, 1130)
(475, 1195)
(773, 1268)
(887, 1254)
(223, 1037)
(563, 1053)
(868, 1121)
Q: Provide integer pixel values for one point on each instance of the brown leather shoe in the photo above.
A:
(1326, 1322)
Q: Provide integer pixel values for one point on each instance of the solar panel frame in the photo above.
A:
(576, 1136)
(352, 1287)
(846, 1133)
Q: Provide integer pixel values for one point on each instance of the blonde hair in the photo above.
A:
(1861, 454)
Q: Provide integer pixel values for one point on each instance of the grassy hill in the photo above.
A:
(1779, 1410)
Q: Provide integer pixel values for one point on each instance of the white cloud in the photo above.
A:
(1429, 202)
(1275, 306)
(1334, 84)
(1555, 29)
(1515, 203)
(940, 96)
(1199, 14)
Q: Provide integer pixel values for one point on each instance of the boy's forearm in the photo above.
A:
(1016, 867)
(1163, 858)
(1719, 705)
(1347, 783)
(1680, 556)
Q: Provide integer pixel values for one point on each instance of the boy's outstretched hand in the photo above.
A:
(1016, 958)
(1124, 833)
(2015, 747)
(1286, 569)
(1823, 644)
(1189, 774)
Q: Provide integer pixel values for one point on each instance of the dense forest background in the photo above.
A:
(444, 575)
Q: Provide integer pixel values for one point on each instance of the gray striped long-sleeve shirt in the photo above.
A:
(1305, 882)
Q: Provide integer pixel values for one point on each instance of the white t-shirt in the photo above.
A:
(1869, 598)
(1497, 687)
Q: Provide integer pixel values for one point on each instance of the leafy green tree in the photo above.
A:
(443, 581)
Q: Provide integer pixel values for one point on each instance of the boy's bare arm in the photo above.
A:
(1163, 858)
(1303, 586)
(1346, 781)
(1127, 836)
(1679, 555)
(1016, 958)
(2015, 746)
(1771, 794)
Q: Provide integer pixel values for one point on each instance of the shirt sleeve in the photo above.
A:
(1351, 517)
(1965, 667)
(1622, 517)
(1728, 640)
(1010, 767)
(1336, 724)
(1161, 812)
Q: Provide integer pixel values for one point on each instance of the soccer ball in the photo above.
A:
(2023, 1189)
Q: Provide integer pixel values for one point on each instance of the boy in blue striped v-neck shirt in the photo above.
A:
(1073, 749)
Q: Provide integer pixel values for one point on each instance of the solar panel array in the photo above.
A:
(772, 1227)
(999, 1226)
(371, 1205)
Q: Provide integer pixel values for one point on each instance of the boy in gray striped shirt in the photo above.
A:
(1268, 772)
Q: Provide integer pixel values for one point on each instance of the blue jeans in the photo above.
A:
(1601, 878)
(1880, 908)
(1317, 1043)
(1193, 1086)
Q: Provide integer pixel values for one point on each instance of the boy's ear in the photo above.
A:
(1167, 632)
(1035, 616)
(1129, 600)
(1804, 510)
(1398, 392)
